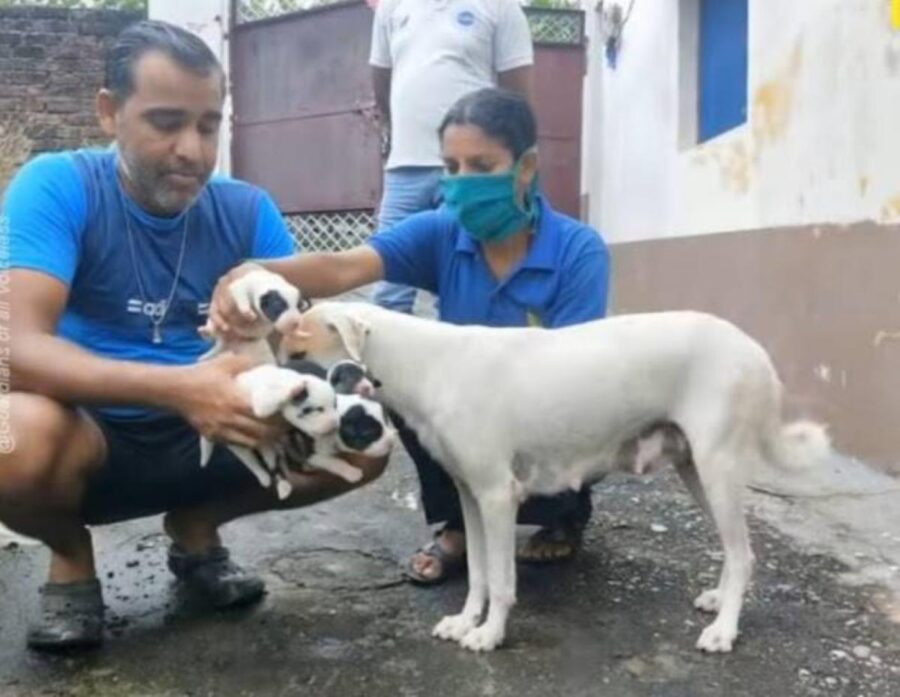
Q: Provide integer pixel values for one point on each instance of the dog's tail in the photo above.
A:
(797, 445)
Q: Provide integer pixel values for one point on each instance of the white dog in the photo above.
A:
(547, 410)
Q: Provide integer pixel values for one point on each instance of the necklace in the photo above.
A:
(155, 322)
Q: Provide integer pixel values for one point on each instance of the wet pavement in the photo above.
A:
(618, 621)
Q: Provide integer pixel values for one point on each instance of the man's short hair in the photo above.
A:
(186, 49)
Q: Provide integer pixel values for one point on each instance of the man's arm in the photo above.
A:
(45, 364)
(519, 80)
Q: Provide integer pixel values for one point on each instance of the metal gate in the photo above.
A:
(305, 125)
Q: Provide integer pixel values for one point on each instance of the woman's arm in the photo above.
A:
(324, 274)
(316, 274)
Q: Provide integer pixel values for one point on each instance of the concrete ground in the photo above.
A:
(821, 618)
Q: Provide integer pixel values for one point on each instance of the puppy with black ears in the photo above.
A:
(306, 402)
(363, 426)
(277, 306)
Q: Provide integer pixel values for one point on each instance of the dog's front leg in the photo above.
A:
(498, 518)
(455, 627)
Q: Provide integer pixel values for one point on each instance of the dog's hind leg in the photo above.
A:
(498, 516)
(455, 627)
(688, 473)
(724, 494)
(252, 463)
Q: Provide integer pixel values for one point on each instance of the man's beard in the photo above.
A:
(149, 187)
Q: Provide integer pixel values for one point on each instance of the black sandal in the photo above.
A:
(558, 535)
(451, 565)
(71, 617)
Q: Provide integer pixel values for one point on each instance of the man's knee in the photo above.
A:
(49, 444)
(372, 468)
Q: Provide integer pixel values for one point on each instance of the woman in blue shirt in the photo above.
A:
(495, 254)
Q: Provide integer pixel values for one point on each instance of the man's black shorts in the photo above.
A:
(153, 466)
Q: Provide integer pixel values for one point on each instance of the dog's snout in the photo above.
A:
(364, 388)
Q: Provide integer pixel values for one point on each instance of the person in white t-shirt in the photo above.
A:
(426, 54)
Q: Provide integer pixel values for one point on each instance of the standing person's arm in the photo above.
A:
(519, 80)
(382, 68)
(381, 85)
(513, 51)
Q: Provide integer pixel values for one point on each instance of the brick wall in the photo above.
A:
(51, 65)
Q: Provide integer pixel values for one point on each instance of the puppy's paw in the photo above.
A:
(717, 638)
(709, 601)
(454, 627)
(483, 638)
(284, 489)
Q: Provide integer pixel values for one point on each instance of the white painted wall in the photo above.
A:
(822, 143)
(209, 20)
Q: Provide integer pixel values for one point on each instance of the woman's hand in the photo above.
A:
(228, 322)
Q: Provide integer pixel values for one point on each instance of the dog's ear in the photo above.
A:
(273, 391)
(352, 332)
(300, 394)
(268, 402)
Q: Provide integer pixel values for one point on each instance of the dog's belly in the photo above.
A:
(545, 476)
(652, 448)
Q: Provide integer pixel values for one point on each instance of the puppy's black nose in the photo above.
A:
(272, 305)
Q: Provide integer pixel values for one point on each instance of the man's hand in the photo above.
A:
(227, 321)
(210, 400)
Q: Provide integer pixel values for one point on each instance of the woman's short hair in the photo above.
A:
(502, 114)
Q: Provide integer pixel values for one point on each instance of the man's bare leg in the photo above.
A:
(42, 483)
(196, 529)
(197, 556)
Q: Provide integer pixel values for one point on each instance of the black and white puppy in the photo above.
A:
(306, 402)
(276, 304)
(350, 377)
(363, 426)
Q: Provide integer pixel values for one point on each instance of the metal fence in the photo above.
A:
(331, 232)
(556, 27)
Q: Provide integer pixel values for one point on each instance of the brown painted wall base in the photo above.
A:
(824, 300)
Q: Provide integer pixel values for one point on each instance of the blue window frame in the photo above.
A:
(723, 66)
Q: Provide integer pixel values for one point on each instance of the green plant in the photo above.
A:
(132, 5)
(554, 4)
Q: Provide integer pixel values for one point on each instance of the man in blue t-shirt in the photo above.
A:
(113, 255)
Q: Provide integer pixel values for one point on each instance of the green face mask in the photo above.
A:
(486, 205)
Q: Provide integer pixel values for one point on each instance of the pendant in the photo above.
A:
(157, 334)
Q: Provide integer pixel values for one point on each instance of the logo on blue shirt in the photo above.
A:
(465, 18)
